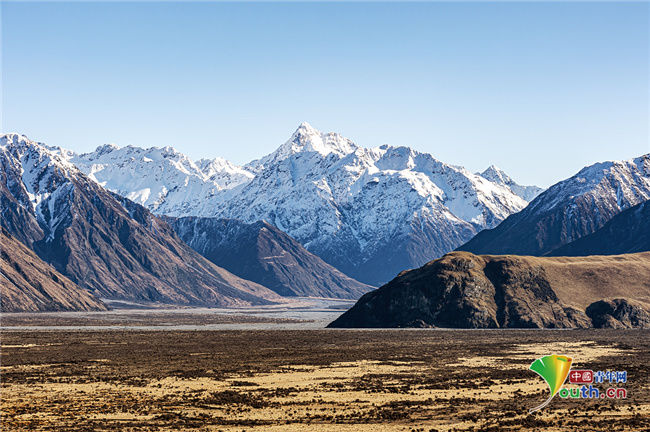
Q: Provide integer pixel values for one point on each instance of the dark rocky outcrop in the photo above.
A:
(462, 290)
(618, 313)
(262, 253)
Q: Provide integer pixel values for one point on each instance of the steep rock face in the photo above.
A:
(370, 212)
(28, 284)
(627, 232)
(103, 242)
(462, 290)
(618, 313)
(568, 210)
(262, 253)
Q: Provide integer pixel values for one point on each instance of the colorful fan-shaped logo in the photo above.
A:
(554, 369)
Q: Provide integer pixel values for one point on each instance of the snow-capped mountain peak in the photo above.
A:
(494, 173)
(160, 178)
(304, 140)
(569, 210)
(498, 176)
(37, 178)
(22, 147)
(369, 211)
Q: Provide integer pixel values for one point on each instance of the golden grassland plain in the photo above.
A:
(312, 380)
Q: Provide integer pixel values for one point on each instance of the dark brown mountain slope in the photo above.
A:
(262, 253)
(104, 243)
(627, 232)
(463, 290)
(29, 284)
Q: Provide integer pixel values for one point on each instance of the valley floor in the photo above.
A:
(312, 380)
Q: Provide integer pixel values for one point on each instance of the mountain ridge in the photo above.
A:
(568, 210)
(626, 232)
(323, 190)
(104, 242)
(262, 253)
(27, 283)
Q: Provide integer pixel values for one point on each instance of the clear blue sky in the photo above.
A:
(539, 89)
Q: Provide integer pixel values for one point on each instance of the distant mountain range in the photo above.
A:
(314, 218)
(568, 210)
(462, 290)
(102, 242)
(370, 212)
(262, 253)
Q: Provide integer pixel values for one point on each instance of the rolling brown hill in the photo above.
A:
(28, 284)
(464, 290)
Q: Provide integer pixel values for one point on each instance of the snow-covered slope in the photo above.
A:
(569, 210)
(498, 176)
(161, 179)
(371, 212)
(224, 173)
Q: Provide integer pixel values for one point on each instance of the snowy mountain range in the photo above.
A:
(370, 212)
(104, 243)
(569, 210)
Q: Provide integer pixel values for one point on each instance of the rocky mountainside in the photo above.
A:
(103, 242)
(262, 253)
(28, 284)
(568, 210)
(370, 212)
(463, 290)
(627, 232)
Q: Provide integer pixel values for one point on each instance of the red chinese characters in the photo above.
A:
(581, 376)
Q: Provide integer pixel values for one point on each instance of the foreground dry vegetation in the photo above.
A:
(402, 380)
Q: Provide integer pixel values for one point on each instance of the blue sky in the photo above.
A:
(539, 89)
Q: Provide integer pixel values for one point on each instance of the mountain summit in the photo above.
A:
(370, 212)
(306, 139)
